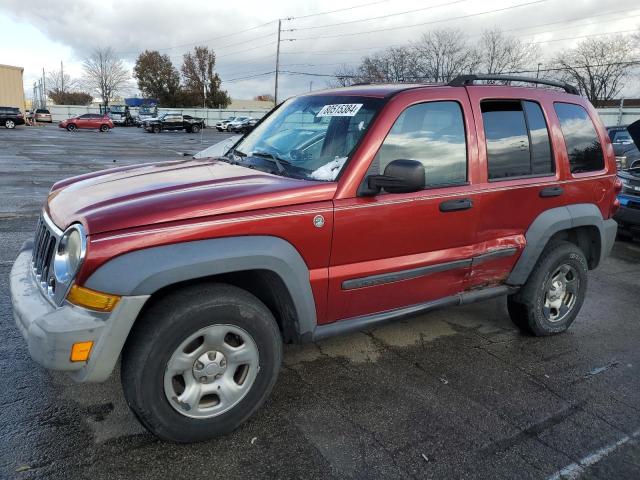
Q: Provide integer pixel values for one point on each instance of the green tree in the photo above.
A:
(201, 83)
(157, 77)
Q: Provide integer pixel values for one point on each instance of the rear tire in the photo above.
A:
(550, 300)
(72, 127)
(201, 328)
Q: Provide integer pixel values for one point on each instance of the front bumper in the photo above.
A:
(50, 331)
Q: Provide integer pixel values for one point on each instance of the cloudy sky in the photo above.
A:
(317, 36)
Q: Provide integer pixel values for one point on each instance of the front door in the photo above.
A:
(396, 250)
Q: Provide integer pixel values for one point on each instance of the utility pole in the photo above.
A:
(275, 94)
(44, 90)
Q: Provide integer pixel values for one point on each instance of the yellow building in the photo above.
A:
(11, 87)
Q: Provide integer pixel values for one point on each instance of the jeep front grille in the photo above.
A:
(44, 245)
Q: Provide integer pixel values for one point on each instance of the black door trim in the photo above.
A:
(408, 274)
(398, 275)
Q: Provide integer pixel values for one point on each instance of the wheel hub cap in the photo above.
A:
(561, 293)
(209, 366)
(211, 371)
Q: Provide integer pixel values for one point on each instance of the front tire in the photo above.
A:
(550, 300)
(9, 124)
(195, 128)
(200, 362)
(71, 127)
(104, 128)
(156, 129)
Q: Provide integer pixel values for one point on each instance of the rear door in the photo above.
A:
(396, 250)
(519, 177)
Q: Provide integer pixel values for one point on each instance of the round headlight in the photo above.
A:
(69, 254)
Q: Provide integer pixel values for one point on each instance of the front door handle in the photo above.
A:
(551, 192)
(454, 205)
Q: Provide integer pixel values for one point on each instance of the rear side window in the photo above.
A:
(517, 139)
(580, 137)
(432, 133)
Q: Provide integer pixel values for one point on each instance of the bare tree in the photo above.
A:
(344, 76)
(499, 53)
(59, 81)
(598, 67)
(105, 74)
(444, 54)
(395, 64)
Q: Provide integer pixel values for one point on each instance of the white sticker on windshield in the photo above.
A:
(340, 110)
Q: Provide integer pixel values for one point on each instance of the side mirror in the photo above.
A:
(400, 176)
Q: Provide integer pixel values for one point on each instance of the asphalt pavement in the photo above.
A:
(457, 393)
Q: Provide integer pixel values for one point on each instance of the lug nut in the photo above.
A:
(199, 366)
(203, 379)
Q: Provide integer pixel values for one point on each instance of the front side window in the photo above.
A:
(580, 137)
(517, 139)
(433, 134)
(309, 137)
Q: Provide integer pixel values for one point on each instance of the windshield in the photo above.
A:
(116, 109)
(145, 111)
(314, 135)
(622, 137)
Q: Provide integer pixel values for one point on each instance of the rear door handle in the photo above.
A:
(454, 205)
(551, 192)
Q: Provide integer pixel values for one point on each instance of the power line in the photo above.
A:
(431, 7)
(207, 40)
(231, 80)
(336, 11)
(424, 23)
(553, 69)
(583, 36)
(334, 52)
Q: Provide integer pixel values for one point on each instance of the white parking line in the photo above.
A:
(573, 471)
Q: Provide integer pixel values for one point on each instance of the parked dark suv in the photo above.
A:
(628, 217)
(409, 198)
(10, 117)
(625, 149)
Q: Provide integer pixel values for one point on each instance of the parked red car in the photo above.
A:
(340, 211)
(88, 121)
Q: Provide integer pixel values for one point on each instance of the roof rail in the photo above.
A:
(462, 80)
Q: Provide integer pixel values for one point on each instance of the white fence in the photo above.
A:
(614, 116)
(211, 115)
(610, 116)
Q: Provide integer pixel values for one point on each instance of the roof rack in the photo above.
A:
(462, 80)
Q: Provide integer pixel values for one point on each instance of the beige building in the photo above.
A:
(11, 87)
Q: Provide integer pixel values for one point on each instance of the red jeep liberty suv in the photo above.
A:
(341, 210)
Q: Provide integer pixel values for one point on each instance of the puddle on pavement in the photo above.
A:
(362, 347)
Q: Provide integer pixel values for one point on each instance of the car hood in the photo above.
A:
(155, 193)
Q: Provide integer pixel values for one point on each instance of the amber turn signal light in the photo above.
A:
(85, 297)
(80, 351)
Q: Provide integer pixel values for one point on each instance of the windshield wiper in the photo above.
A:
(275, 159)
